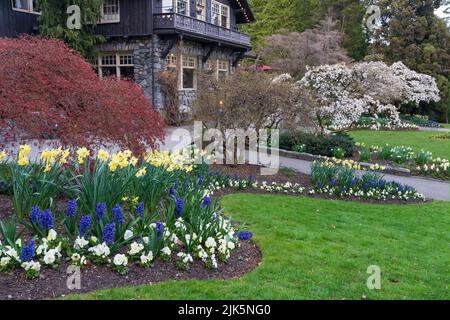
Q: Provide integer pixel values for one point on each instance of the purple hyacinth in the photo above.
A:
(140, 209)
(179, 207)
(159, 229)
(100, 211)
(85, 224)
(27, 253)
(71, 209)
(117, 215)
(109, 233)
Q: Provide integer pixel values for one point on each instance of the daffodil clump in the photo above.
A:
(52, 156)
(24, 152)
(171, 161)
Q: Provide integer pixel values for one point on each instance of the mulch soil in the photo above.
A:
(52, 283)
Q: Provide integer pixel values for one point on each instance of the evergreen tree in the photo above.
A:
(54, 23)
(410, 32)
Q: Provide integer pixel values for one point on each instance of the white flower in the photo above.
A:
(80, 243)
(75, 257)
(120, 260)
(19, 242)
(31, 265)
(146, 259)
(145, 240)
(128, 235)
(100, 250)
(210, 243)
(5, 261)
(135, 248)
(231, 245)
(50, 257)
(41, 249)
(94, 239)
(166, 251)
(52, 235)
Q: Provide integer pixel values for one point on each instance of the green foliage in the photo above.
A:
(318, 144)
(54, 24)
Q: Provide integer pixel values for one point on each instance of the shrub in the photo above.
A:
(319, 144)
(364, 154)
(58, 95)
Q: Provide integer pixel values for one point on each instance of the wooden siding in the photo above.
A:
(136, 19)
(13, 23)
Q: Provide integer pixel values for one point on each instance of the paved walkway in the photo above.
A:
(432, 189)
(434, 129)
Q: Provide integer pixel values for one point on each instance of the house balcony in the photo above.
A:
(169, 23)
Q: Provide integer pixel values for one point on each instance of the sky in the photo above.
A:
(444, 11)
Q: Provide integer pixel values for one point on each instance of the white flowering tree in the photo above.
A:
(345, 93)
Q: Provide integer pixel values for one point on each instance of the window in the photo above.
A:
(200, 9)
(31, 6)
(120, 65)
(220, 14)
(183, 7)
(171, 62)
(223, 69)
(188, 74)
(110, 11)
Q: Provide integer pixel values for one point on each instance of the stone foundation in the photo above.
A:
(148, 62)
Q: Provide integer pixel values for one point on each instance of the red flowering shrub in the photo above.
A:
(48, 91)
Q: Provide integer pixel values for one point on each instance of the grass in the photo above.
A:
(320, 249)
(445, 125)
(416, 139)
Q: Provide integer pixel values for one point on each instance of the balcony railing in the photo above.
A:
(182, 23)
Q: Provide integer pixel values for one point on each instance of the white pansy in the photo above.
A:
(120, 260)
(135, 248)
(80, 243)
(166, 251)
(51, 235)
(128, 235)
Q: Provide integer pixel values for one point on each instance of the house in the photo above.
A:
(145, 37)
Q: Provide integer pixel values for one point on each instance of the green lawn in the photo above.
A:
(445, 125)
(320, 249)
(416, 139)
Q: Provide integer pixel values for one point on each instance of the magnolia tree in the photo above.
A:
(344, 93)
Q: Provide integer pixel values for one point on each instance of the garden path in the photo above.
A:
(434, 129)
(432, 189)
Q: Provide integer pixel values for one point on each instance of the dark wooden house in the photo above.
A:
(145, 37)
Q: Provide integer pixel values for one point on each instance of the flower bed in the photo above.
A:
(420, 163)
(125, 211)
(344, 181)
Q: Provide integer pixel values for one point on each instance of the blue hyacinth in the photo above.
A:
(34, 214)
(246, 235)
(100, 211)
(117, 215)
(159, 229)
(108, 233)
(140, 209)
(46, 220)
(71, 209)
(206, 202)
(179, 207)
(27, 253)
(85, 224)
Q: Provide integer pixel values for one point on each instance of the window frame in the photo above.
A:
(99, 64)
(102, 20)
(188, 7)
(194, 67)
(29, 10)
(220, 68)
(220, 6)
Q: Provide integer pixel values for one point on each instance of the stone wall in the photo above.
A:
(148, 62)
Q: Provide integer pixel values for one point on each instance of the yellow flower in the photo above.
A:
(103, 155)
(135, 201)
(48, 168)
(23, 161)
(82, 153)
(141, 172)
(124, 199)
(2, 155)
(65, 154)
(133, 161)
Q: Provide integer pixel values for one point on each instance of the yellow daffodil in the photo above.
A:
(103, 155)
(142, 172)
(23, 161)
(82, 154)
(2, 155)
